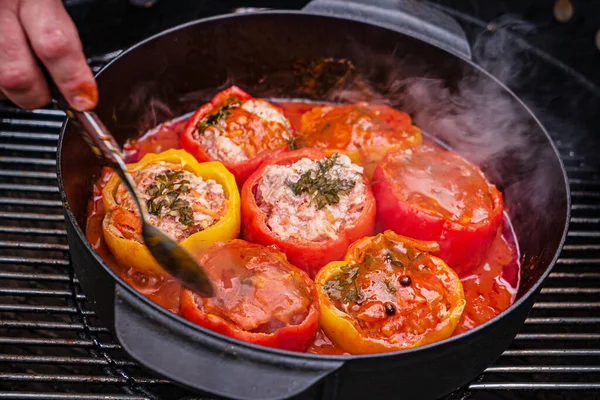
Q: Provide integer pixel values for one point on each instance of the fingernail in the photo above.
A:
(81, 102)
(86, 96)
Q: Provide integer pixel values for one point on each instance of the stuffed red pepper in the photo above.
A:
(259, 297)
(434, 194)
(237, 130)
(310, 205)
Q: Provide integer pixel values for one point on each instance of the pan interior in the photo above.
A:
(276, 56)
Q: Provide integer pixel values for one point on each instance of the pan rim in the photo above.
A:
(299, 355)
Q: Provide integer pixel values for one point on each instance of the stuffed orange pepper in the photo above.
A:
(194, 203)
(362, 131)
(309, 205)
(388, 294)
(259, 297)
(237, 130)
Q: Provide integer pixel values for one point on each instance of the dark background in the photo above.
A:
(107, 25)
(553, 66)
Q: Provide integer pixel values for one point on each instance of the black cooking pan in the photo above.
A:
(413, 57)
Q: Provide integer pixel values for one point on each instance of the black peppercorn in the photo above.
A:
(390, 309)
(405, 280)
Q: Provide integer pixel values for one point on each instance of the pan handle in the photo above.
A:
(410, 17)
(205, 361)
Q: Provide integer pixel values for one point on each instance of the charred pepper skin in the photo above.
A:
(133, 254)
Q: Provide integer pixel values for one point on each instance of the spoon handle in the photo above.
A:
(103, 144)
(168, 253)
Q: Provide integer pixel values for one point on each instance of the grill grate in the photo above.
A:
(53, 347)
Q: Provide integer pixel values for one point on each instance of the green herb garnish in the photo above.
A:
(324, 188)
(221, 113)
(352, 294)
(389, 259)
(390, 286)
(293, 143)
(164, 193)
(343, 287)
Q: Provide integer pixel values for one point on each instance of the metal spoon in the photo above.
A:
(173, 258)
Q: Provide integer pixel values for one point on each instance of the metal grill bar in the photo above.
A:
(571, 157)
(562, 321)
(582, 247)
(579, 207)
(584, 182)
(584, 193)
(571, 290)
(38, 123)
(33, 231)
(534, 386)
(77, 379)
(29, 148)
(575, 275)
(24, 160)
(51, 137)
(28, 188)
(49, 326)
(538, 369)
(33, 216)
(28, 174)
(35, 277)
(14, 341)
(45, 112)
(553, 353)
(566, 306)
(35, 292)
(66, 396)
(585, 168)
(558, 336)
(571, 261)
(22, 308)
(34, 261)
(585, 220)
(589, 234)
(33, 246)
(30, 202)
(25, 359)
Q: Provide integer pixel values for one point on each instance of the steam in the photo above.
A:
(476, 117)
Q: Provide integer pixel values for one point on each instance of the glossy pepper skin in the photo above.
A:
(133, 254)
(241, 170)
(463, 245)
(309, 256)
(405, 306)
(246, 290)
(364, 132)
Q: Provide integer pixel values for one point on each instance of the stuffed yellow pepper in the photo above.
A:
(388, 294)
(196, 204)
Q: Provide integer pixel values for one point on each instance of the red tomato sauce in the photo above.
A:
(489, 290)
(439, 183)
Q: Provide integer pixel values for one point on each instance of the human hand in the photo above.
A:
(32, 30)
